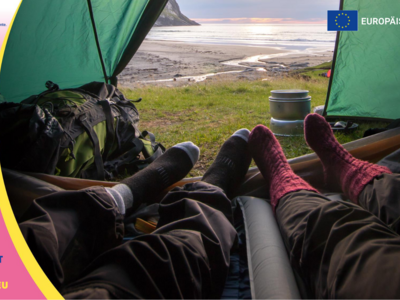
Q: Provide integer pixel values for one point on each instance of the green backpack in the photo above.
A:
(90, 132)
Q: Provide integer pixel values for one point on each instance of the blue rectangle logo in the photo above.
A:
(342, 20)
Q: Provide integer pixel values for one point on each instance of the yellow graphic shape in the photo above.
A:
(35, 271)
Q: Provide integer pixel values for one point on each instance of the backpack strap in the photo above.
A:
(151, 136)
(98, 161)
(157, 153)
(110, 128)
(51, 87)
(129, 158)
(158, 148)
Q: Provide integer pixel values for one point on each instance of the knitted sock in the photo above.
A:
(166, 170)
(272, 163)
(339, 165)
(231, 164)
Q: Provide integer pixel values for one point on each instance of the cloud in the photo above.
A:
(259, 21)
(229, 9)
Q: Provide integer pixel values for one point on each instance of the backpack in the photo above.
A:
(89, 132)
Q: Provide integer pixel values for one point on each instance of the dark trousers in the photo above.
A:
(343, 250)
(76, 238)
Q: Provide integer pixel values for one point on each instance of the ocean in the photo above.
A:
(289, 37)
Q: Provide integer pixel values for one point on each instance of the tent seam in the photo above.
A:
(97, 40)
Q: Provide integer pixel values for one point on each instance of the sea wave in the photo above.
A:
(288, 36)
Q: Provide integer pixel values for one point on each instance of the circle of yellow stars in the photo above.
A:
(341, 15)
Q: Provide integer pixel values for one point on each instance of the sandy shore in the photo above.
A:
(176, 63)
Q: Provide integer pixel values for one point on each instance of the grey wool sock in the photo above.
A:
(231, 164)
(166, 170)
(122, 196)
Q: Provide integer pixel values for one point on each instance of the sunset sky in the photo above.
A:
(258, 11)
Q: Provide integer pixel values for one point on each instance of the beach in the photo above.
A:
(175, 63)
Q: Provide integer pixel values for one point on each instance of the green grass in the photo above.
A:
(312, 73)
(324, 66)
(208, 113)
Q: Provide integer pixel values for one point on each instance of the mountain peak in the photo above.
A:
(172, 16)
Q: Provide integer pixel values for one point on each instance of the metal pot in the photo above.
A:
(287, 128)
(285, 94)
(290, 109)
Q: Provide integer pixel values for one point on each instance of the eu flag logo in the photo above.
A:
(342, 20)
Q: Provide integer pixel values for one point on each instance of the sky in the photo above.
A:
(258, 11)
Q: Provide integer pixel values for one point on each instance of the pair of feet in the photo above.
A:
(232, 163)
(340, 167)
(227, 171)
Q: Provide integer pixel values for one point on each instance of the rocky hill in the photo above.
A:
(172, 16)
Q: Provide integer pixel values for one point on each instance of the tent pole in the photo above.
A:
(97, 40)
(333, 67)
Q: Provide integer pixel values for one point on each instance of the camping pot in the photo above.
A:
(286, 94)
(287, 128)
(290, 109)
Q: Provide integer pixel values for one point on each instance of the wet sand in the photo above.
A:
(176, 63)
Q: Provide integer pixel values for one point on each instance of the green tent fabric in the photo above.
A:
(72, 43)
(366, 73)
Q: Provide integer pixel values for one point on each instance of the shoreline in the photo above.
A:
(174, 63)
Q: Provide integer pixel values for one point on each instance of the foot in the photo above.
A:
(166, 170)
(340, 167)
(231, 164)
(273, 165)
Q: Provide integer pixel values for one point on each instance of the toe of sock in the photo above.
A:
(316, 128)
(191, 150)
(316, 120)
(259, 134)
(243, 133)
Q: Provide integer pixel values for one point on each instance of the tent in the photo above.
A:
(365, 79)
(72, 43)
(75, 43)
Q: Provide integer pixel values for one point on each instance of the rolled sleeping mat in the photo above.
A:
(271, 276)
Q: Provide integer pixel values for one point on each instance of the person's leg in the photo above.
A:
(381, 189)
(166, 170)
(231, 164)
(382, 198)
(188, 255)
(67, 230)
(339, 249)
(272, 163)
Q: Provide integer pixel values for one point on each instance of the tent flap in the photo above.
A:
(366, 74)
(116, 22)
(72, 43)
(50, 40)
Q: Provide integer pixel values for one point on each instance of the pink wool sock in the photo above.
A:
(272, 163)
(339, 165)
